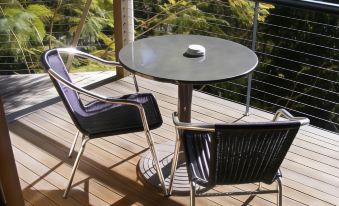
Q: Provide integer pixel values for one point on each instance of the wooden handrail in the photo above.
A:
(8, 174)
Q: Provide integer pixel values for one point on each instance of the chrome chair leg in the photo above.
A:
(156, 162)
(135, 83)
(174, 162)
(192, 193)
(73, 144)
(75, 166)
(153, 150)
(279, 185)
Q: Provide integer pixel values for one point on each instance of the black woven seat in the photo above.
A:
(99, 119)
(237, 153)
(198, 150)
(104, 116)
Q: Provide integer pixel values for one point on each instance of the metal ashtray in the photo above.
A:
(195, 50)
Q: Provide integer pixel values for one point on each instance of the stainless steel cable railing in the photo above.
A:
(16, 58)
(297, 45)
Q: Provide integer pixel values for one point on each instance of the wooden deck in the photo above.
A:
(107, 174)
(25, 93)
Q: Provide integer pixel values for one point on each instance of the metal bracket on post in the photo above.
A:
(254, 41)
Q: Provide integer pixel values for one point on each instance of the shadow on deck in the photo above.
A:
(107, 175)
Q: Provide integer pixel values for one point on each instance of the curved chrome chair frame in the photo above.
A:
(210, 128)
(90, 94)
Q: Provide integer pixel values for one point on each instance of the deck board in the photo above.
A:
(107, 174)
(23, 94)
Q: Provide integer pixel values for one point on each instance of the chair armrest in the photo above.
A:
(76, 52)
(191, 126)
(289, 116)
(92, 94)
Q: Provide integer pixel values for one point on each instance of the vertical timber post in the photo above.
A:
(254, 41)
(123, 28)
(78, 31)
(9, 178)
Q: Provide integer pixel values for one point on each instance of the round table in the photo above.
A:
(162, 58)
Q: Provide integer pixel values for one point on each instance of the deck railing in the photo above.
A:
(20, 49)
(297, 44)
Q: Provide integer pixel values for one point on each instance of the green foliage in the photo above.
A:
(91, 67)
(34, 26)
(41, 11)
(31, 27)
(97, 19)
(193, 17)
(305, 64)
(23, 26)
(245, 11)
(18, 21)
(185, 17)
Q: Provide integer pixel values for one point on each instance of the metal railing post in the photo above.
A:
(254, 40)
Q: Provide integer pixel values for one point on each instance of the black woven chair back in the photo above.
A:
(247, 153)
(52, 60)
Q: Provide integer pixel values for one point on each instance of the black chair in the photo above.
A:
(235, 153)
(105, 116)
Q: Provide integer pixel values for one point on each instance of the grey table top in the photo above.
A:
(162, 58)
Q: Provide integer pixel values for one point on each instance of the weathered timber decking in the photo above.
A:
(25, 93)
(107, 174)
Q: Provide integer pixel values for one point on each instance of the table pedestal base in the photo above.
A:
(165, 155)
